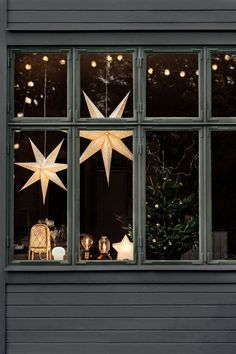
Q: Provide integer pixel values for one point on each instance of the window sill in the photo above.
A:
(116, 268)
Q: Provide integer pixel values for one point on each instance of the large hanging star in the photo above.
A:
(106, 140)
(44, 169)
(125, 249)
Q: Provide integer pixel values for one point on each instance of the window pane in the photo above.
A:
(106, 189)
(223, 67)
(106, 80)
(40, 85)
(223, 195)
(172, 195)
(40, 197)
(172, 85)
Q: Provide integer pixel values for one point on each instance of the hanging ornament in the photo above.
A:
(44, 169)
(106, 140)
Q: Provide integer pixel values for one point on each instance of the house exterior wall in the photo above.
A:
(130, 309)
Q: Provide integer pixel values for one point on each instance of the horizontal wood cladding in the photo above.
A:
(121, 15)
(114, 318)
(118, 348)
(121, 5)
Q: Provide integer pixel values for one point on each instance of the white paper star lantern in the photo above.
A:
(44, 169)
(124, 249)
(106, 140)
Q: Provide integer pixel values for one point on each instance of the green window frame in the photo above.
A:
(139, 123)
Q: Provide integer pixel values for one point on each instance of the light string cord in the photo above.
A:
(45, 105)
(106, 82)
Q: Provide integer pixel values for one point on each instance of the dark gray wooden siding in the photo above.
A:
(98, 313)
(121, 15)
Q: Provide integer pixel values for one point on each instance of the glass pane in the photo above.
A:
(106, 80)
(172, 221)
(106, 195)
(40, 197)
(223, 67)
(223, 195)
(172, 85)
(40, 85)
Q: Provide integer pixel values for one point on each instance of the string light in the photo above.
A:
(150, 71)
(20, 114)
(16, 146)
(28, 67)
(232, 67)
(28, 100)
(62, 61)
(45, 58)
(30, 84)
(227, 57)
(109, 58)
(182, 74)
(166, 72)
(197, 72)
(214, 67)
(119, 57)
(36, 102)
(93, 64)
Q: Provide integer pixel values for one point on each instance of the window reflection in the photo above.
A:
(172, 85)
(40, 197)
(40, 85)
(106, 195)
(223, 195)
(223, 67)
(106, 79)
(172, 195)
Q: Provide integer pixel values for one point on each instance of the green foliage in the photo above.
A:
(171, 217)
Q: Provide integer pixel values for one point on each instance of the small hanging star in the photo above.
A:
(44, 169)
(106, 140)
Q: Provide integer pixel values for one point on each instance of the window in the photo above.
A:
(122, 156)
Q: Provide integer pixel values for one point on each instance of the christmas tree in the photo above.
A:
(171, 212)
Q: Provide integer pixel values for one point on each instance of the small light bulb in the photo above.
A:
(182, 74)
(36, 102)
(62, 61)
(20, 114)
(30, 84)
(167, 72)
(16, 146)
(197, 72)
(28, 100)
(150, 71)
(28, 67)
(45, 58)
(227, 57)
(93, 64)
(214, 67)
(109, 58)
(119, 57)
